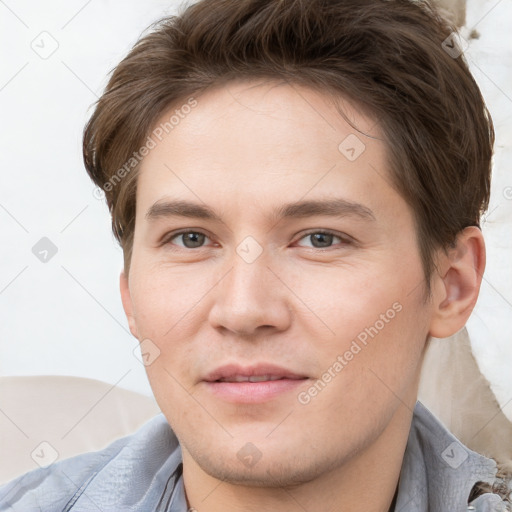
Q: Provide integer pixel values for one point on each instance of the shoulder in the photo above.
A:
(59, 486)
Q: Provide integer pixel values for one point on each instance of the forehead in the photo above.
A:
(253, 142)
(268, 109)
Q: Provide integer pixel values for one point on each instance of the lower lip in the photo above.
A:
(253, 392)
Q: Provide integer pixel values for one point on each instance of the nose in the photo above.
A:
(251, 298)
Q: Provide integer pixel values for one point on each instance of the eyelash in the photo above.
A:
(345, 239)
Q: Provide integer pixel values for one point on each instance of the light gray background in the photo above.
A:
(65, 316)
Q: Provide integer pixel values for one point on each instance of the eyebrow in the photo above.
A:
(336, 207)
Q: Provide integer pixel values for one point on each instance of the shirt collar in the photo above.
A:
(438, 471)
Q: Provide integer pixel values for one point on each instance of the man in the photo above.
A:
(297, 187)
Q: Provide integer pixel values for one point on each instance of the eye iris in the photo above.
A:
(196, 239)
(324, 238)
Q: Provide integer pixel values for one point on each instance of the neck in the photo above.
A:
(367, 480)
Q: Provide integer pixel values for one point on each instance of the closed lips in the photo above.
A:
(253, 378)
(255, 373)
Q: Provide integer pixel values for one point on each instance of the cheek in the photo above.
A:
(379, 324)
(169, 311)
(366, 375)
(351, 298)
(166, 300)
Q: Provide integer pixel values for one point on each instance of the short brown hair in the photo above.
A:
(387, 56)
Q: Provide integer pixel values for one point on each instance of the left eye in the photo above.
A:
(321, 239)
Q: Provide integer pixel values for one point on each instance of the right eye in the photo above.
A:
(190, 239)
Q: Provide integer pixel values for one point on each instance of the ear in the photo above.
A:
(456, 283)
(127, 303)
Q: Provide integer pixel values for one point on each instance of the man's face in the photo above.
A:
(343, 310)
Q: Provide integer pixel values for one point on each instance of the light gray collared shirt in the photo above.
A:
(143, 472)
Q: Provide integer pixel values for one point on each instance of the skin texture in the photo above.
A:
(245, 149)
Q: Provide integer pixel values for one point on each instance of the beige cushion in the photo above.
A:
(69, 415)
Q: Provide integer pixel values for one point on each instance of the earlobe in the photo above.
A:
(127, 303)
(457, 284)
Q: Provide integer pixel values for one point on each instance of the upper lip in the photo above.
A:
(236, 370)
